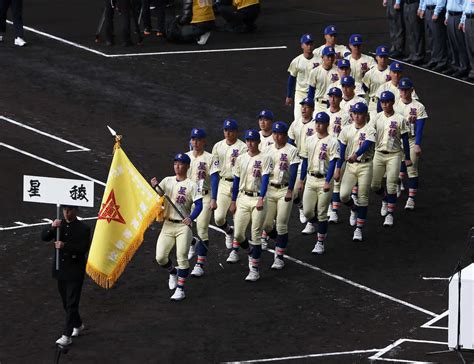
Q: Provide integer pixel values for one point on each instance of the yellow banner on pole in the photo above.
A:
(128, 207)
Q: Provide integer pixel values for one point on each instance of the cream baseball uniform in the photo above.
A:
(277, 207)
(389, 86)
(300, 130)
(266, 141)
(174, 232)
(358, 91)
(360, 66)
(337, 121)
(411, 112)
(346, 105)
(320, 79)
(319, 153)
(300, 67)
(388, 148)
(358, 172)
(373, 79)
(225, 155)
(250, 171)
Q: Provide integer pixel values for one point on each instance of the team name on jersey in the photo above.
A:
(257, 169)
(323, 152)
(233, 157)
(392, 131)
(181, 198)
(413, 111)
(361, 138)
(201, 174)
(334, 77)
(363, 66)
(283, 162)
(315, 64)
(388, 78)
(337, 125)
(309, 131)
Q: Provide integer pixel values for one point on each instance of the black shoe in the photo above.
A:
(417, 62)
(469, 79)
(407, 60)
(460, 74)
(429, 65)
(127, 43)
(448, 71)
(396, 54)
(439, 68)
(109, 42)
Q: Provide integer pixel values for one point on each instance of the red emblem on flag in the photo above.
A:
(110, 210)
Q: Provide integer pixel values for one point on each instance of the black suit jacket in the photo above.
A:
(72, 257)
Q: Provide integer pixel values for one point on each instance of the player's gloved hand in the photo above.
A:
(154, 182)
(408, 162)
(289, 195)
(326, 186)
(337, 174)
(56, 223)
(213, 205)
(417, 149)
(187, 221)
(233, 207)
(58, 244)
(259, 205)
(289, 101)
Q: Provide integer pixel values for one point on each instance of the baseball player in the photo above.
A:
(344, 69)
(360, 63)
(349, 97)
(203, 172)
(330, 36)
(396, 73)
(177, 231)
(321, 77)
(285, 162)
(392, 136)
(251, 176)
(413, 111)
(299, 70)
(338, 119)
(357, 144)
(265, 121)
(375, 77)
(225, 153)
(319, 155)
(299, 130)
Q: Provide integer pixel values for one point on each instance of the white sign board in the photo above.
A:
(58, 191)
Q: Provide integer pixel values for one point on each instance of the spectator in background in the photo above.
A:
(457, 43)
(466, 24)
(414, 32)
(396, 27)
(17, 10)
(240, 15)
(160, 14)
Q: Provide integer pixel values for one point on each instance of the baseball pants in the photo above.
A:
(315, 199)
(247, 211)
(357, 173)
(224, 199)
(279, 209)
(173, 234)
(386, 163)
(204, 218)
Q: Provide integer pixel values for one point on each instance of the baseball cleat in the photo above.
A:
(192, 252)
(204, 38)
(318, 248)
(355, 199)
(329, 210)
(64, 340)
(1, 38)
(357, 235)
(388, 220)
(253, 276)
(410, 204)
(384, 209)
(178, 295)
(309, 229)
(333, 217)
(173, 281)
(229, 238)
(264, 240)
(399, 190)
(278, 264)
(233, 257)
(197, 271)
(19, 42)
(303, 218)
(77, 330)
(353, 218)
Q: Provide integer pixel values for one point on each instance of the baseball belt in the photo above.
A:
(279, 185)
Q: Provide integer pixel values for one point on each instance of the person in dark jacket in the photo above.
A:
(73, 245)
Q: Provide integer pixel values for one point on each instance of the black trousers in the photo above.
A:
(160, 13)
(241, 20)
(396, 27)
(109, 21)
(70, 292)
(439, 53)
(17, 10)
(129, 10)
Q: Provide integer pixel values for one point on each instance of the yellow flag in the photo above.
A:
(129, 206)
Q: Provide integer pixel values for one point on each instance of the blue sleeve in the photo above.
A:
(291, 141)
(235, 188)
(214, 185)
(398, 1)
(197, 209)
(332, 167)
(363, 148)
(304, 169)
(379, 105)
(420, 124)
(341, 160)
(311, 91)
(263, 188)
(293, 173)
(440, 6)
(291, 87)
(422, 6)
(406, 146)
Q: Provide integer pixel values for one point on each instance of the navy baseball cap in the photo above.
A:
(382, 51)
(329, 51)
(307, 101)
(343, 63)
(405, 84)
(267, 114)
(252, 134)
(360, 108)
(306, 38)
(183, 158)
(348, 81)
(322, 117)
(396, 67)
(387, 96)
(280, 127)
(335, 91)
(330, 29)
(355, 39)
(198, 133)
(230, 124)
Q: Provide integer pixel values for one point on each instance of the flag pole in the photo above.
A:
(58, 208)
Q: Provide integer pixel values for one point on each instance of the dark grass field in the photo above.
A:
(154, 101)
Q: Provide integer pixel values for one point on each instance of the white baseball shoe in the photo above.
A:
(253, 275)
(197, 271)
(353, 218)
(303, 218)
(77, 330)
(192, 252)
(229, 238)
(318, 248)
(278, 264)
(388, 220)
(64, 340)
(384, 209)
(355, 199)
(178, 295)
(399, 190)
(173, 281)
(264, 241)
(20, 42)
(333, 217)
(233, 257)
(204, 38)
(357, 235)
(410, 204)
(309, 229)
(1, 38)
(329, 210)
